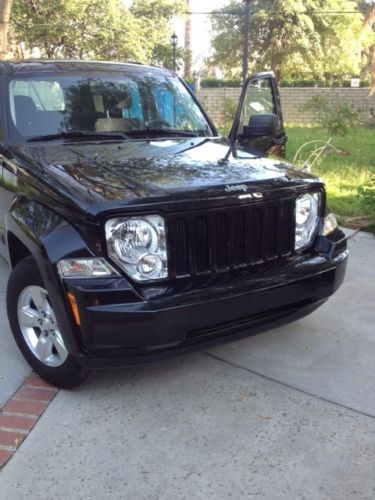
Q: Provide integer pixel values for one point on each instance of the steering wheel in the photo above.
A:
(158, 123)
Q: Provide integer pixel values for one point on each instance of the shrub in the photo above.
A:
(321, 82)
(367, 194)
(218, 83)
(285, 82)
(230, 108)
(335, 118)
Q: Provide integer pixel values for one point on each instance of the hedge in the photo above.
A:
(234, 82)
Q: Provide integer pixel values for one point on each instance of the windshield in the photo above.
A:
(131, 103)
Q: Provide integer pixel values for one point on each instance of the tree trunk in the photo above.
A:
(368, 20)
(187, 39)
(5, 8)
(372, 62)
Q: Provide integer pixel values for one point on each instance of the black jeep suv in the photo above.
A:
(134, 231)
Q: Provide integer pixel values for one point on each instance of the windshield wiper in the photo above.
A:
(79, 134)
(162, 131)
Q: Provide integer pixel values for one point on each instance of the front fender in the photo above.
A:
(49, 238)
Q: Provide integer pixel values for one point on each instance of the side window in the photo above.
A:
(46, 95)
(32, 99)
(258, 100)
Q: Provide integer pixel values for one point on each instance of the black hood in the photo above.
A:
(98, 176)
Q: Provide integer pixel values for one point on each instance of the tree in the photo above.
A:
(92, 29)
(156, 16)
(292, 37)
(162, 55)
(367, 7)
(5, 8)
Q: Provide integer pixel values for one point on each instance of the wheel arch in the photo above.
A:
(33, 229)
(17, 250)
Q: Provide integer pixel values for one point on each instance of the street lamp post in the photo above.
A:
(245, 62)
(174, 41)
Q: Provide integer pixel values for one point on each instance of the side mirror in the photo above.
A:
(261, 126)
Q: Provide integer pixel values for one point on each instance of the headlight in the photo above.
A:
(138, 246)
(307, 218)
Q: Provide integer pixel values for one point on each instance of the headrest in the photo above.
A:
(24, 103)
(117, 100)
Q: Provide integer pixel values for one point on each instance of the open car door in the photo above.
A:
(258, 126)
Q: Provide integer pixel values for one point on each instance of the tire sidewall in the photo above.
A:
(24, 274)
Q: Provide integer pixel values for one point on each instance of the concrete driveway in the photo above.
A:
(289, 414)
(13, 368)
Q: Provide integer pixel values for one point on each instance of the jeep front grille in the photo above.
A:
(220, 240)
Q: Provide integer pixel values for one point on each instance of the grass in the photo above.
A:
(343, 173)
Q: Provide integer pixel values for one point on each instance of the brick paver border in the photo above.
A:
(19, 415)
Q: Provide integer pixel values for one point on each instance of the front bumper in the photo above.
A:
(119, 328)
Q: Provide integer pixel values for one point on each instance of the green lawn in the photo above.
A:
(343, 173)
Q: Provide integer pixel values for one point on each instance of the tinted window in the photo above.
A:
(132, 102)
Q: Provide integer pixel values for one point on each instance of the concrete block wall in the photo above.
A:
(293, 99)
(213, 101)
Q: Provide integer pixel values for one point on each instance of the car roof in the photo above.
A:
(38, 65)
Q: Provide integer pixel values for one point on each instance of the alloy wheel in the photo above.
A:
(39, 326)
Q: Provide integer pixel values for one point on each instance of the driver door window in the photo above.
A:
(260, 127)
(258, 100)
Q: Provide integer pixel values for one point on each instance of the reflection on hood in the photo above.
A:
(94, 173)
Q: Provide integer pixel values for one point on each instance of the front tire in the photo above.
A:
(35, 329)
